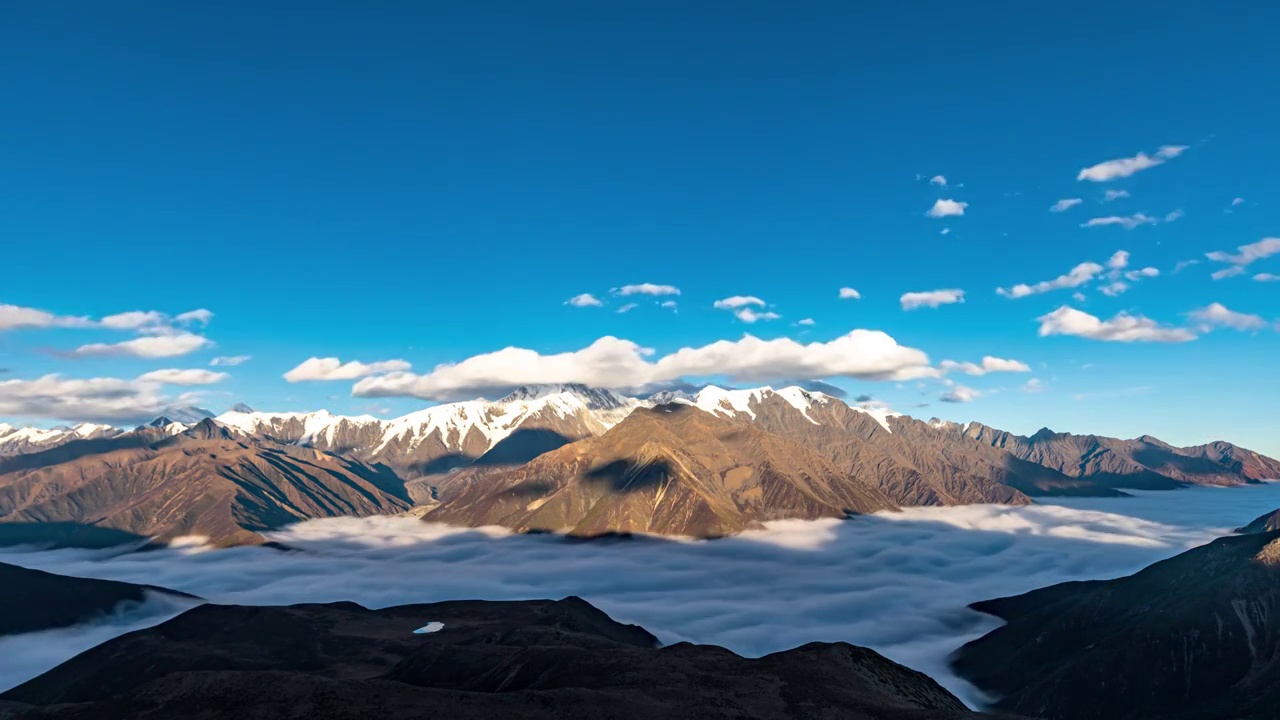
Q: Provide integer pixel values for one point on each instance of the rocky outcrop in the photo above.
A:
(527, 660)
(206, 481)
(674, 469)
(1195, 636)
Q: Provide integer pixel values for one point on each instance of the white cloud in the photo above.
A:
(1115, 195)
(1121, 328)
(627, 308)
(947, 208)
(1245, 255)
(1124, 167)
(1128, 222)
(737, 301)
(670, 305)
(1114, 288)
(747, 315)
(1119, 260)
(14, 317)
(938, 180)
(647, 289)
(584, 300)
(1034, 385)
(931, 298)
(805, 321)
(945, 231)
(989, 365)
(230, 360)
(612, 362)
(1078, 296)
(1184, 264)
(134, 320)
(183, 377)
(1146, 272)
(1065, 204)
(331, 368)
(1266, 277)
(1217, 315)
(70, 399)
(848, 293)
(960, 394)
(1170, 217)
(1237, 201)
(150, 346)
(201, 316)
(1079, 275)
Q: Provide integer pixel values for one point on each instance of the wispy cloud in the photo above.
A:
(989, 365)
(230, 360)
(931, 298)
(1110, 195)
(331, 368)
(1244, 256)
(1218, 315)
(584, 300)
(848, 293)
(1065, 204)
(647, 289)
(1124, 167)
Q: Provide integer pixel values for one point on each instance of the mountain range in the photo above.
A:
(568, 458)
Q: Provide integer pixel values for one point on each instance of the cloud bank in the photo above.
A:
(897, 583)
(612, 362)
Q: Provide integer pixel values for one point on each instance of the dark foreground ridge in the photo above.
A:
(528, 659)
(1196, 636)
(34, 600)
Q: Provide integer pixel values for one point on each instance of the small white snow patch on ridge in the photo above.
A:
(431, 627)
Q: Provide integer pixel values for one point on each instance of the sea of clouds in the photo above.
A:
(898, 583)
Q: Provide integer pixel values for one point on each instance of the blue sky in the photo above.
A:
(394, 181)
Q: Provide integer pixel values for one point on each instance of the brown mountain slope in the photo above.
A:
(911, 461)
(1195, 636)
(202, 482)
(672, 470)
(527, 660)
(1143, 463)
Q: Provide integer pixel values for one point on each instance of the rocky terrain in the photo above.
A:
(526, 660)
(205, 481)
(674, 469)
(35, 600)
(1195, 636)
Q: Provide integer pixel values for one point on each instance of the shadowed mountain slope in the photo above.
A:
(1195, 636)
(525, 660)
(34, 600)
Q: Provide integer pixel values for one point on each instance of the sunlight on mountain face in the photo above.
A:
(898, 583)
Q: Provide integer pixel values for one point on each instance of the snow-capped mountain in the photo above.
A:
(22, 440)
(445, 436)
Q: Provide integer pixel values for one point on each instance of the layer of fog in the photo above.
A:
(898, 583)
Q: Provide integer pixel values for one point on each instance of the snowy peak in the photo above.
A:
(592, 398)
